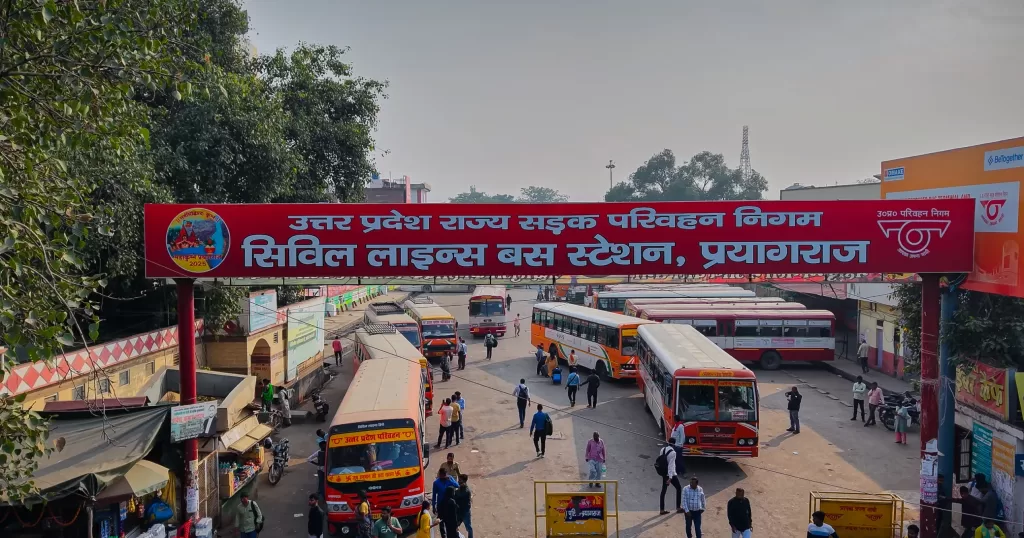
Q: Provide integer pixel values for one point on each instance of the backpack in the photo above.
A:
(661, 463)
(549, 427)
(257, 519)
(523, 392)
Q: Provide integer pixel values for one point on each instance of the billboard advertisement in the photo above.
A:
(990, 175)
(576, 514)
(259, 311)
(302, 241)
(305, 334)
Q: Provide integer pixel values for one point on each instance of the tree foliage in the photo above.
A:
(68, 72)
(908, 303)
(527, 195)
(703, 177)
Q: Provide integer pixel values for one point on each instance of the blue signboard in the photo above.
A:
(262, 310)
(1018, 464)
(981, 451)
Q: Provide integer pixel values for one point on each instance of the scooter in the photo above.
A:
(320, 407)
(280, 452)
(887, 413)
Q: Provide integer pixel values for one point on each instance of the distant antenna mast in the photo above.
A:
(745, 155)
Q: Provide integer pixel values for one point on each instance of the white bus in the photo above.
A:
(615, 301)
(487, 311)
(393, 313)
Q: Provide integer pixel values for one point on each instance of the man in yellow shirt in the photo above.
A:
(989, 529)
(456, 422)
(449, 467)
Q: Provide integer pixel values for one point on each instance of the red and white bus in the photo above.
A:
(690, 383)
(642, 309)
(615, 301)
(769, 337)
(487, 311)
(632, 305)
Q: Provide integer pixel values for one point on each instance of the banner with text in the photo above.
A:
(324, 241)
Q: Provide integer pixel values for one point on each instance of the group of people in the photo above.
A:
(450, 416)
(981, 510)
(451, 500)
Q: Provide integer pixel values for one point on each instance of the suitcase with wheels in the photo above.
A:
(556, 376)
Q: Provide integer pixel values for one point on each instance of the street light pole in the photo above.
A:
(611, 168)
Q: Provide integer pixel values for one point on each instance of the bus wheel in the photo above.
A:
(427, 289)
(602, 371)
(771, 360)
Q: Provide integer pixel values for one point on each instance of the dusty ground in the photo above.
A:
(831, 453)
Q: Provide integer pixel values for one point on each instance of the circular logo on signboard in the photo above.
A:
(198, 240)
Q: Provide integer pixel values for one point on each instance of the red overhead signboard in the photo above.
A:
(290, 241)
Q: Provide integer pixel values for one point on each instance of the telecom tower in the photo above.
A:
(745, 155)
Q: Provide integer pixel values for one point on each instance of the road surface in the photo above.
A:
(832, 453)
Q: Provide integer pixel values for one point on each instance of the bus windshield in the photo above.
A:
(439, 329)
(487, 307)
(736, 401)
(362, 462)
(411, 333)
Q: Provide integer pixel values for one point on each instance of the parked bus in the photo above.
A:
(437, 325)
(385, 341)
(487, 311)
(643, 309)
(377, 443)
(666, 286)
(615, 301)
(603, 342)
(687, 379)
(633, 305)
(769, 337)
(393, 313)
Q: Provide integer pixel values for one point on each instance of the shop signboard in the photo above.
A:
(305, 334)
(1003, 477)
(981, 450)
(352, 241)
(192, 421)
(990, 175)
(575, 514)
(985, 388)
(859, 518)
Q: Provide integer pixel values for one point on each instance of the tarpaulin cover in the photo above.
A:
(97, 451)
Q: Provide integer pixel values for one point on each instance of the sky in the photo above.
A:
(504, 94)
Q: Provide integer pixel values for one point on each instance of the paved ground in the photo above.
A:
(831, 454)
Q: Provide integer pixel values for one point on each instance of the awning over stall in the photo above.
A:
(241, 438)
(249, 440)
(144, 477)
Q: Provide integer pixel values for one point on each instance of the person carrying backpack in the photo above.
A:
(541, 428)
(522, 394)
(248, 518)
(541, 368)
(665, 466)
(572, 384)
(490, 342)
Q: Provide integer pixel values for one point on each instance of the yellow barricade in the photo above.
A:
(572, 508)
(860, 515)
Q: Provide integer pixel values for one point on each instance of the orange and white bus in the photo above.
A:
(487, 311)
(633, 305)
(377, 443)
(393, 313)
(768, 337)
(437, 325)
(690, 383)
(615, 301)
(384, 341)
(603, 342)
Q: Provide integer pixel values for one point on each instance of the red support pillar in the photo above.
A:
(187, 384)
(929, 387)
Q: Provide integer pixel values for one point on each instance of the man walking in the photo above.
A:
(572, 384)
(862, 354)
(508, 302)
(248, 518)
(874, 400)
(315, 523)
(694, 504)
(794, 398)
(539, 430)
(462, 413)
(319, 459)
(539, 354)
(740, 516)
(445, 425)
(668, 474)
(449, 466)
(522, 394)
(463, 351)
(464, 500)
(456, 421)
(515, 324)
(490, 342)
(593, 382)
(859, 390)
(336, 346)
(268, 395)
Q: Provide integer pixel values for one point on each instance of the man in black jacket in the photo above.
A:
(315, 524)
(738, 511)
(794, 398)
(592, 382)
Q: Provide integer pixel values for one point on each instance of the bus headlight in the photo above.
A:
(338, 507)
(748, 442)
(412, 500)
(691, 440)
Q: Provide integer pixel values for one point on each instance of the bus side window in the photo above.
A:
(770, 330)
(574, 326)
(549, 320)
(746, 330)
(536, 316)
(557, 322)
(666, 386)
(601, 335)
(825, 332)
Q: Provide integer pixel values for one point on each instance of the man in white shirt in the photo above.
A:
(669, 451)
(679, 434)
(817, 528)
(860, 388)
(862, 354)
(694, 505)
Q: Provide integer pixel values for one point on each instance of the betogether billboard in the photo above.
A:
(989, 175)
(291, 241)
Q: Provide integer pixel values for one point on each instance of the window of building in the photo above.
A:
(151, 368)
(104, 386)
(78, 393)
(51, 398)
(275, 337)
(124, 377)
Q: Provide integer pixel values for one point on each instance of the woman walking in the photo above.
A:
(902, 418)
(595, 459)
(425, 527)
(364, 519)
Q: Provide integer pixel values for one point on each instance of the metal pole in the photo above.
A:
(929, 384)
(611, 168)
(947, 399)
(187, 380)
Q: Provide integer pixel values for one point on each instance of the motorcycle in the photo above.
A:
(887, 412)
(280, 452)
(320, 407)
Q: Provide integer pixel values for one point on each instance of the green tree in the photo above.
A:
(68, 72)
(540, 195)
(480, 197)
(703, 177)
(331, 117)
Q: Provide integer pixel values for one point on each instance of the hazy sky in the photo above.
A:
(502, 94)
